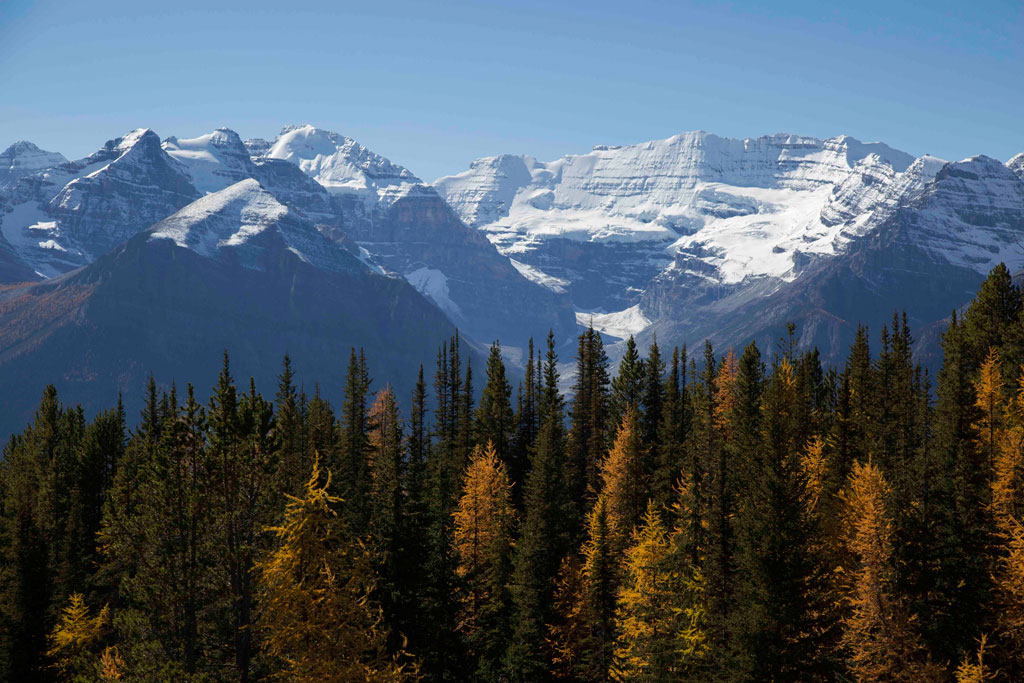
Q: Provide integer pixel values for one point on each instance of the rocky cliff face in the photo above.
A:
(923, 246)
(212, 161)
(620, 214)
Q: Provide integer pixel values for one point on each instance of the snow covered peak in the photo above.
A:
(214, 160)
(244, 209)
(342, 165)
(24, 158)
(1016, 164)
(245, 221)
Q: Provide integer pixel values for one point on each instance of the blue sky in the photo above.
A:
(434, 85)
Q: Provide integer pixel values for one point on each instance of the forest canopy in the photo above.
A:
(707, 516)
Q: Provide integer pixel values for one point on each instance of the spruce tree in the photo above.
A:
(547, 530)
(628, 387)
(495, 418)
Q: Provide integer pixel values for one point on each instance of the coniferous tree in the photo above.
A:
(589, 417)
(387, 510)
(353, 468)
(782, 586)
(628, 387)
(484, 521)
(673, 431)
(660, 614)
(314, 588)
(651, 403)
(879, 632)
(624, 484)
(546, 536)
(288, 431)
(495, 420)
(241, 466)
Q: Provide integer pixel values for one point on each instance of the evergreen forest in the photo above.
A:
(694, 515)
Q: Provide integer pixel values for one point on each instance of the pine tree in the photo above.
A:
(172, 608)
(316, 619)
(653, 399)
(241, 466)
(388, 507)
(353, 468)
(288, 432)
(673, 431)
(484, 521)
(956, 585)
(582, 635)
(780, 617)
(880, 633)
(589, 417)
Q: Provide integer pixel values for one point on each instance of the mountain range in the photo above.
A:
(150, 255)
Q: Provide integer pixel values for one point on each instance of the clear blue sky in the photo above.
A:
(434, 85)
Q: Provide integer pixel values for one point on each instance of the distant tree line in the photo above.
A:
(745, 517)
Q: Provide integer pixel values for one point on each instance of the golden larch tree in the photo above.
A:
(659, 617)
(623, 483)
(316, 618)
(725, 393)
(73, 638)
(484, 525)
(880, 632)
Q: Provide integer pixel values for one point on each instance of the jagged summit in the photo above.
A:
(1016, 164)
(24, 158)
(342, 165)
(214, 160)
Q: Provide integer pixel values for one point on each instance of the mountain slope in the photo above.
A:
(234, 270)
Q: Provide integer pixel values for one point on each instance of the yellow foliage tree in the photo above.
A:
(74, 636)
(880, 632)
(622, 476)
(484, 520)
(989, 392)
(725, 393)
(316, 618)
(814, 467)
(659, 618)
(975, 671)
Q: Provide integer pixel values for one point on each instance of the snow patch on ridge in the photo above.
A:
(433, 284)
(555, 284)
(620, 324)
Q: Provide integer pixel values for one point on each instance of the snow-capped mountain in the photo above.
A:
(213, 161)
(24, 158)
(66, 216)
(234, 270)
(404, 226)
(678, 235)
